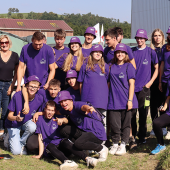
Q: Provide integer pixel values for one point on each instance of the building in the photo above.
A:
(149, 15)
(26, 27)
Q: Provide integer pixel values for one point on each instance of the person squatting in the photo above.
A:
(83, 98)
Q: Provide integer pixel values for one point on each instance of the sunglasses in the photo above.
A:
(7, 42)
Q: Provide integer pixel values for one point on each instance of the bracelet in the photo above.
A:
(129, 100)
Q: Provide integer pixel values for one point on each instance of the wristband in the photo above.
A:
(129, 100)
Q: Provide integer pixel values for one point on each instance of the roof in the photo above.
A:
(30, 24)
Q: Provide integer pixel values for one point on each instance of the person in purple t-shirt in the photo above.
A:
(60, 49)
(90, 132)
(144, 56)
(112, 38)
(17, 120)
(74, 88)
(39, 61)
(74, 59)
(121, 98)
(89, 37)
(93, 78)
(51, 142)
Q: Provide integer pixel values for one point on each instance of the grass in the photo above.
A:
(139, 159)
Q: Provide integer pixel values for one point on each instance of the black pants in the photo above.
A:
(158, 124)
(143, 112)
(82, 140)
(65, 144)
(120, 125)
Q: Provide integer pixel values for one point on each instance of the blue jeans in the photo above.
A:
(15, 141)
(4, 101)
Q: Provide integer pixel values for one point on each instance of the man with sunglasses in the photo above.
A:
(17, 121)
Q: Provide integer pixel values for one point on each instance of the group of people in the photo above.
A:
(74, 96)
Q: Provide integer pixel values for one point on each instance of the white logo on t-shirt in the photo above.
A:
(101, 74)
(79, 120)
(43, 61)
(121, 75)
(54, 126)
(33, 112)
(145, 62)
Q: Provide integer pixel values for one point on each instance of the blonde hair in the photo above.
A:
(7, 37)
(126, 59)
(90, 64)
(152, 45)
(69, 61)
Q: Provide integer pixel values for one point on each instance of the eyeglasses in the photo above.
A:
(7, 42)
(33, 88)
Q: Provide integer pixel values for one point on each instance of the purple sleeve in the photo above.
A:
(154, 57)
(60, 61)
(81, 73)
(50, 56)
(22, 55)
(78, 105)
(131, 71)
(12, 104)
(130, 54)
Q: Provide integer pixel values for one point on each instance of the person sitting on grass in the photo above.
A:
(50, 141)
(17, 120)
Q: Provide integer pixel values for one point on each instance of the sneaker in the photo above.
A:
(103, 154)
(132, 145)
(121, 150)
(167, 135)
(152, 133)
(68, 165)
(158, 149)
(2, 136)
(164, 131)
(6, 141)
(91, 161)
(113, 149)
(23, 151)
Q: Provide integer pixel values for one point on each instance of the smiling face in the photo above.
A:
(74, 47)
(157, 37)
(120, 55)
(4, 43)
(89, 38)
(67, 104)
(33, 87)
(97, 55)
(49, 112)
(53, 90)
(141, 42)
(110, 41)
(71, 81)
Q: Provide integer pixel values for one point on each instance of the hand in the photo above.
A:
(59, 121)
(45, 86)
(35, 117)
(129, 105)
(148, 85)
(36, 156)
(160, 87)
(18, 88)
(162, 109)
(26, 108)
(18, 118)
(10, 90)
(90, 110)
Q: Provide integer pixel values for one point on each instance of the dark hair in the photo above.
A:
(168, 44)
(126, 60)
(111, 32)
(54, 82)
(59, 33)
(119, 30)
(51, 103)
(44, 37)
(38, 36)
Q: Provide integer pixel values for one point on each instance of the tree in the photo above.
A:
(20, 16)
(16, 10)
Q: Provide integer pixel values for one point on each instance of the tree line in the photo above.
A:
(79, 22)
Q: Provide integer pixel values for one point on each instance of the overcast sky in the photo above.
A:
(118, 9)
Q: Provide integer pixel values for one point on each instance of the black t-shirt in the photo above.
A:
(7, 68)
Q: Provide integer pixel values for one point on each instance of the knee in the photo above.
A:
(31, 128)
(156, 123)
(78, 144)
(16, 150)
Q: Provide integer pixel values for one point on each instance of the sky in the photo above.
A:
(117, 9)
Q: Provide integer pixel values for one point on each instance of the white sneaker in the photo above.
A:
(152, 133)
(23, 151)
(167, 135)
(164, 131)
(91, 161)
(113, 149)
(121, 150)
(103, 154)
(68, 165)
(2, 136)
(6, 141)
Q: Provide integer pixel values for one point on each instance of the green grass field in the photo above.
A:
(139, 159)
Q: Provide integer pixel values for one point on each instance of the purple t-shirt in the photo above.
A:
(47, 97)
(86, 52)
(143, 58)
(60, 74)
(75, 94)
(166, 59)
(87, 123)
(17, 104)
(37, 61)
(50, 131)
(94, 86)
(109, 54)
(119, 86)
